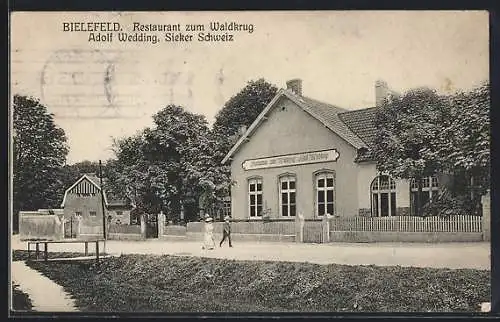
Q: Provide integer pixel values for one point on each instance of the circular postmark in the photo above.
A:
(78, 83)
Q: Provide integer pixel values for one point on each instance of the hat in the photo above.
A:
(227, 218)
(208, 219)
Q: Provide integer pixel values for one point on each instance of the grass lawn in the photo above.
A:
(140, 283)
(20, 300)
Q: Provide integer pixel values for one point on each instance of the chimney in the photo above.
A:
(381, 92)
(295, 85)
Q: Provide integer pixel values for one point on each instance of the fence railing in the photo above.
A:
(408, 224)
(175, 230)
(313, 231)
(124, 229)
(256, 227)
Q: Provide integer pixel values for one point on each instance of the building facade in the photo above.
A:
(305, 156)
(84, 199)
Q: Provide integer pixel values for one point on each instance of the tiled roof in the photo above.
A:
(329, 115)
(362, 122)
(356, 127)
(323, 106)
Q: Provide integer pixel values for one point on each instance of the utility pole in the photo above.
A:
(102, 205)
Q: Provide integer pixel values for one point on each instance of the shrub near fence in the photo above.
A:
(434, 224)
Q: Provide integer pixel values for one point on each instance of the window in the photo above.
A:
(226, 206)
(119, 213)
(255, 197)
(383, 194)
(325, 194)
(78, 213)
(430, 188)
(287, 196)
(92, 213)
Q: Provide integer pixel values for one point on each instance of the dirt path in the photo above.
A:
(442, 255)
(45, 295)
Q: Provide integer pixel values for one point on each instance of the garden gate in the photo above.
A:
(71, 227)
(151, 226)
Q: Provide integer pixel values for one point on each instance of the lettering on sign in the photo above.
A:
(292, 159)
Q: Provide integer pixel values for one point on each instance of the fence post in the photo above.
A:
(486, 203)
(299, 228)
(60, 224)
(78, 226)
(161, 223)
(325, 226)
(143, 225)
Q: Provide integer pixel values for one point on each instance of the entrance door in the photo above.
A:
(71, 227)
(152, 226)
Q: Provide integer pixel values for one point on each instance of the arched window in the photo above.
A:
(430, 188)
(383, 194)
(325, 193)
(255, 197)
(287, 195)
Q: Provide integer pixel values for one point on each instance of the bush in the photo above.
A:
(448, 205)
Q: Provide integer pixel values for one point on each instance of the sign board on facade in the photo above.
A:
(292, 159)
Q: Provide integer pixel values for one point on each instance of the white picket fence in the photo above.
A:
(432, 224)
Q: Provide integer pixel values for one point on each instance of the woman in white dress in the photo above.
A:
(209, 242)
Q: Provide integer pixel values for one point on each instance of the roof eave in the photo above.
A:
(254, 125)
(300, 103)
(78, 181)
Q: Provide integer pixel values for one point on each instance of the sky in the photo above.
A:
(98, 91)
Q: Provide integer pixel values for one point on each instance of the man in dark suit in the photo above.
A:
(226, 231)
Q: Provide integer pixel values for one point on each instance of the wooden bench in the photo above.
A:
(69, 241)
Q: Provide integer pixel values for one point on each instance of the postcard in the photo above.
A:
(249, 161)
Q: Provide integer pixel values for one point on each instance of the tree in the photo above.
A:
(175, 164)
(240, 110)
(163, 166)
(39, 151)
(464, 144)
(470, 132)
(421, 134)
(84, 167)
(126, 174)
(405, 144)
